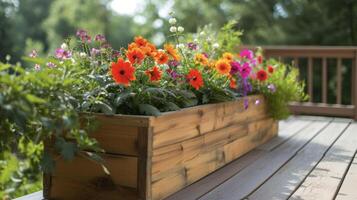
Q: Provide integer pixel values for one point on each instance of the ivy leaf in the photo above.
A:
(104, 108)
(169, 106)
(122, 97)
(67, 149)
(47, 163)
(149, 110)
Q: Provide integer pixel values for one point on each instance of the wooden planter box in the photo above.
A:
(153, 157)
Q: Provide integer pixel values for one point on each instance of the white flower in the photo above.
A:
(195, 40)
(64, 46)
(172, 20)
(173, 29)
(209, 39)
(180, 29)
(202, 33)
(82, 55)
(215, 45)
(37, 67)
(180, 46)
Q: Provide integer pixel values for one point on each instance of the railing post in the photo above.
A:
(354, 77)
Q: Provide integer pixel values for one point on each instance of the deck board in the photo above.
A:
(260, 170)
(324, 180)
(290, 176)
(312, 158)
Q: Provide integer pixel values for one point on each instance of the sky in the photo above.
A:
(126, 7)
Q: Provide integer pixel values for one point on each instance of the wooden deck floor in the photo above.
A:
(312, 158)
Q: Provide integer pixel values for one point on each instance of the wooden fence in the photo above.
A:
(321, 106)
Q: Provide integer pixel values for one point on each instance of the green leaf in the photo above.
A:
(34, 99)
(122, 97)
(149, 110)
(67, 149)
(169, 106)
(104, 108)
(47, 163)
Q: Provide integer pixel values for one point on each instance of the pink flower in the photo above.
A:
(51, 65)
(246, 53)
(63, 54)
(245, 70)
(33, 54)
(99, 38)
(37, 67)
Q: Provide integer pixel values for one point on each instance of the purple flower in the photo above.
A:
(33, 54)
(192, 46)
(172, 73)
(94, 51)
(253, 62)
(63, 54)
(272, 88)
(83, 35)
(37, 67)
(245, 53)
(205, 54)
(116, 54)
(235, 67)
(173, 63)
(51, 65)
(246, 104)
(100, 38)
(247, 87)
(245, 70)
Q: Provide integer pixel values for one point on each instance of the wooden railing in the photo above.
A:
(333, 64)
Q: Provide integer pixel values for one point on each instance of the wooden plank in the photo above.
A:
(339, 81)
(144, 163)
(323, 182)
(285, 181)
(125, 120)
(199, 188)
(324, 80)
(310, 79)
(348, 189)
(244, 182)
(123, 170)
(293, 128)
(322, 109)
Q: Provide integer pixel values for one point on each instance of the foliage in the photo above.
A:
(281, 87)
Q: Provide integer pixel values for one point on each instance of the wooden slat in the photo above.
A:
(199, 188)
(324, 80)
(248, 179)
(354, 77)
(323, 182)
(306, 51)
(348, 189)
(339, 81)
(288, 178)
(322, 109)
(293, 128)
(310, 78)
(144, 163)
(296, 62)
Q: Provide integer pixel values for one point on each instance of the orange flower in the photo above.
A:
(201, 59)
(132, 46)
(228, 56)
(135, 56)
(161, 57)
(154, 74)
(223, 66)
(233, 83)
(150, 49)
(123, 72)
(195, 79)
(172, 51)
(140, 41)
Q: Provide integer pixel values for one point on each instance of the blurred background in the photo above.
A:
(43, 24)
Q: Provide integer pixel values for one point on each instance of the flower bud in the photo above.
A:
(215, 45)
(173, 29)
(172, 20)
(64, 46)
(180, 29)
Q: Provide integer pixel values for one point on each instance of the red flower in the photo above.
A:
(260, 59)
(262, 75)
(195, 78)
(123, 72)
(233, 83)
(154, 74)
(135, 56)
(270, 69)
